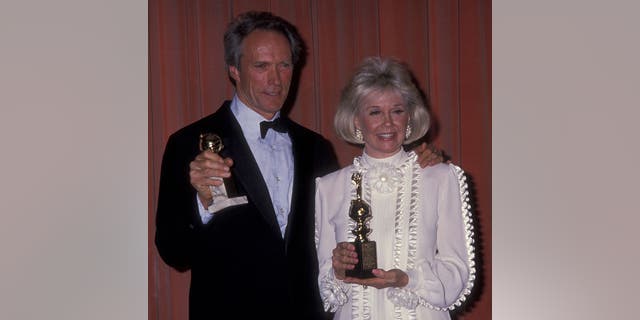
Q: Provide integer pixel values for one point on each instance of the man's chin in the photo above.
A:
(274, 106)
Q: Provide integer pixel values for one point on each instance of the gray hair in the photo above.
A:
(250, 21)
(378, 74)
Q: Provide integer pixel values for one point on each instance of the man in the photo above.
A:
(256, 258)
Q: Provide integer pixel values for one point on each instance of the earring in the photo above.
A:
(407, 132)
(359, 136)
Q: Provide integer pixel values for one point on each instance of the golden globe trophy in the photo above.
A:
(226, 194)
(360, 212)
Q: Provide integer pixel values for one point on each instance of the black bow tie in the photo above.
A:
(276, 125)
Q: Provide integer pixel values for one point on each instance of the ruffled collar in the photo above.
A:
(394, 160)
(382, 175)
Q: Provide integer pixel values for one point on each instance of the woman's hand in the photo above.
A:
(344, 258)
(382, 279)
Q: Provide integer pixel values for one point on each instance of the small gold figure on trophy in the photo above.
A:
(360, 212)
(225, 195)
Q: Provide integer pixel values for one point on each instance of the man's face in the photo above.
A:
(264, 75)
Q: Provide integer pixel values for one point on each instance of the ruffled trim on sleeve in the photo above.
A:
(409, 299)
(403, 297)
(334, 292)
(469, 234)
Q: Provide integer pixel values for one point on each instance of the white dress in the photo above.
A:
(421, 225)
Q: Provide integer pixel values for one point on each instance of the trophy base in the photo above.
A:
(360, 274)
(367, 260)
(230, 188)
(222, 202)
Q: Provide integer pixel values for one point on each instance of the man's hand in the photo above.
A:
(428, 155)
(207, 170)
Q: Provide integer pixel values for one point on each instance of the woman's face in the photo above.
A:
(383, 119)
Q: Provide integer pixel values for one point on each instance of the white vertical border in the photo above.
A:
(566, 78)
(73, 168)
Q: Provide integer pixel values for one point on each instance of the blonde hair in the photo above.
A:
(377, 74)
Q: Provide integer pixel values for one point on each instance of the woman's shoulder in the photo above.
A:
(336, 176)
(442, 171)
(437, 169)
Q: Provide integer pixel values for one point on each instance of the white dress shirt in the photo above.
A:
(274, 158)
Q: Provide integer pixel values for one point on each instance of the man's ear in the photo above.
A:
(234, 73)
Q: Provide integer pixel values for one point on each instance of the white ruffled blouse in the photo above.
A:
(421, 224)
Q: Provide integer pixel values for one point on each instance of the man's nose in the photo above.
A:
(274, 76)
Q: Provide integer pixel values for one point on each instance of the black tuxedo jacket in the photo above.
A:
(241, 267)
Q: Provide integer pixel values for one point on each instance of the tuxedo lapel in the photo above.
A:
(301, 169)
(245, 169)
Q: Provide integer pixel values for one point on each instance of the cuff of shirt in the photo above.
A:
(205, 215)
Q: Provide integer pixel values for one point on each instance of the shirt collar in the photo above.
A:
(248, 119)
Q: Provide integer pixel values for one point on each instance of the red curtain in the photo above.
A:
(446, 43)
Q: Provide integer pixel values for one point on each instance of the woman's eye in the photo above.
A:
(374, 112)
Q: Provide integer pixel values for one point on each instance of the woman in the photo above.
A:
(420, 217)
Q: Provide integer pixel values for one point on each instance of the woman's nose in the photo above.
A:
(387, 118)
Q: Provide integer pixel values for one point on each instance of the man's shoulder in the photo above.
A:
(305, 132)
(205, 123)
